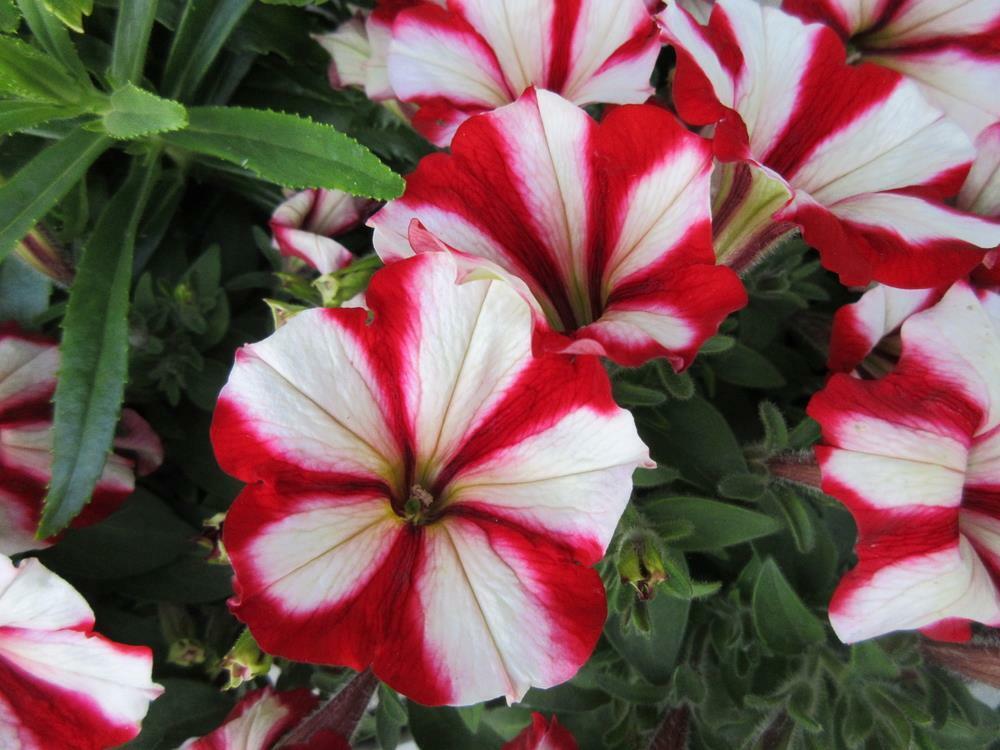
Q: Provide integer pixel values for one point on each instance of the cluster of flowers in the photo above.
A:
(433, 472)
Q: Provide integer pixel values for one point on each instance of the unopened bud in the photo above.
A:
(211, 540)
(245, 661)
(640, 563)
(186, 652)
(40, 251)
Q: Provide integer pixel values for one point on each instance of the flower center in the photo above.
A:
(417, 508)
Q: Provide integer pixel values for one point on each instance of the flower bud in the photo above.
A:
(640, 563)
(186, 652)
(245, 661)
(211, 540)
(40, 251)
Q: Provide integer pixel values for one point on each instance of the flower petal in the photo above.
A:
(258, 721)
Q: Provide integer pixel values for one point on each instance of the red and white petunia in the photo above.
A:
(915, 457)
(864, 159)
(477, 55)
(28, 365)
(543, 735)
(62, 685)
(981, 195)
(606, 230)
(259, 721)
(426, 496)
(359, 48)
(950, 48)
(305, 224)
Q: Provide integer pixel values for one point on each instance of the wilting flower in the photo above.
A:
(426, 497)
(259, 720)
(862, 160)
(305, 224)
(543, 735)
(915, 457)
(606, 230)
(948, 47)
(28, 365)
(477, 55)
(62, 685)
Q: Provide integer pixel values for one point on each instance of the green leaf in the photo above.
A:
(289, 150)
(18, 114)
(782, 621)
(717, 345)
(43, 181)
(10, 17)
(143, 535)
(188, 708)
(71, 12)
(443, 727)
(745, 367)
(94, 354)
(186, 580)
(49, 32)
(655, 477)
(628, 394)
(697, 440)
(135, 113)
(132, 29)
(716, 524)
(775, 429)
(797, 518)
(653, 655)
(24, 293)
(749, 487)
(31, 74)
(203, 30)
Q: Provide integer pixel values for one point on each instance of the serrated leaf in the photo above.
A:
(29, 73)
(135, 113)
(716, 524)
(43, 181)
(51, 34)
(18, 114)
(71, 12)
(94, 355)
(782, 621)
(289, 150)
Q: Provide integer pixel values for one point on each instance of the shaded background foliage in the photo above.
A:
(733, 650)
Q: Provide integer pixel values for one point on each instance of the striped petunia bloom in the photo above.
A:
(28, 365)
(61, 684)
(304, 226)
(426, 496)
(854, 155)
(949, 48)
(476, 55)
(604, 229)
(260, 720)
(915, 457)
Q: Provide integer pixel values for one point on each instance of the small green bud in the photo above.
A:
(186, 652)
(245, 661)
(640, 563)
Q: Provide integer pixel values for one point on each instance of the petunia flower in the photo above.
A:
(359, 48)
(605, 230)
(543, 735)
(305, 224)
(28, 365)
(865, 334)
(949, 48)
(259, 721)
(855, 156)
(426, 497)
(915, 457)
(477, 55)
(62, 685)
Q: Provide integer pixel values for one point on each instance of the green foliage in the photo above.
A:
(135, 113)
(94, 355)
(287, 150)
